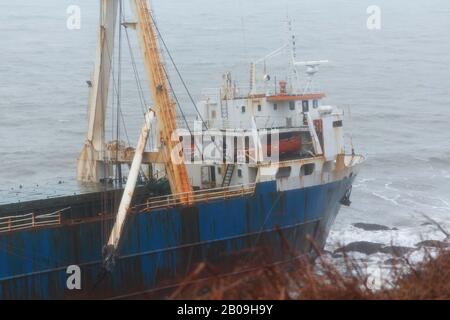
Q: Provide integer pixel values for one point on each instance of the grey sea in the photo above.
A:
(395, 82)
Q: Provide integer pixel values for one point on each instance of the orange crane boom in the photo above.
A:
(165, 107)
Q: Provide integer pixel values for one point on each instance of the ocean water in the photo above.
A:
(395, 81)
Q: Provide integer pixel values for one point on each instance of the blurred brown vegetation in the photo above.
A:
(304, 280)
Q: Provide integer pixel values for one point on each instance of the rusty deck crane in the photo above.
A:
(96, 159)
(165, 107)
(164, 111)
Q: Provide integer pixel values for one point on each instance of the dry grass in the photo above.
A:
(302, 279)
(429, 280)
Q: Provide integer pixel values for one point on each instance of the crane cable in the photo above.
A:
(204, 124)
(177, 70)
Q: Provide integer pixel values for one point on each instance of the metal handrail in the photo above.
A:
(173, 200)
(30, 220)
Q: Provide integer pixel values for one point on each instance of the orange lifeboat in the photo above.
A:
(290, 144)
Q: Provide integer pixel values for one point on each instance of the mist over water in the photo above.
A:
(395, 80)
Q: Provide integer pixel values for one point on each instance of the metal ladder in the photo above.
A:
(223, 107)
(228, 175)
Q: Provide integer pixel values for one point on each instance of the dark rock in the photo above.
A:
(365, 247)
(394, 261)
(426, 224)
(370, 226)
(433, 244)
(397, 251)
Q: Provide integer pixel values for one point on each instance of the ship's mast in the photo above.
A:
(292, 42)
(94, 162)
(91, 164)
(164, 111)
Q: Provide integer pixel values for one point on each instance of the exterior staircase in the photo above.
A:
(228, 175)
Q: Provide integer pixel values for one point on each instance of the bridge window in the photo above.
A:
(307, 169)
(305, 105)
(259, 107)
(275, 106)
(337, 124)
(291, 105)
(243, 109)
(213, 114)
(315, 104)
(283, 172)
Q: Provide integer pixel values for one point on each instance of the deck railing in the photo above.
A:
(33, 220)
(30, 220)
(173, 200)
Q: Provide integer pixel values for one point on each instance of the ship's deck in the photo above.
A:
(52, 212)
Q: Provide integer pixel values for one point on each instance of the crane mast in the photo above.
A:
(164, 106)
(164, 110)
(91, 163)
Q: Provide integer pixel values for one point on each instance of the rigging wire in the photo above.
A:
(140, 90)
(179, 105)
(136, 74)
(115, 91)
(119, 89)
(137, 78)
(108, 202)
(103, 196)
(177, 70)
(170, 83)
(204, 124)
(139, 84)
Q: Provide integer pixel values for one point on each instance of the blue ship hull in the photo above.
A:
(161, 247)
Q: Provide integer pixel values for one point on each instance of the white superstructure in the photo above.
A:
(306, 136)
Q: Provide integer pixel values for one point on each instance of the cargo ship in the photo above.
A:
(260, 169)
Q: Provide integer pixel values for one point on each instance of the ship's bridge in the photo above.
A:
(265, 106)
